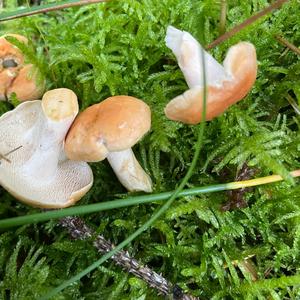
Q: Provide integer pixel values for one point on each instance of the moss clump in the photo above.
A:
(118, 48)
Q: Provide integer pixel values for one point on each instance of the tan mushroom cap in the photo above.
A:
(115, 124)
(20, 79)
(60, 104)
(9, 50)
(25, 84)
(71, 181)
(241, 63)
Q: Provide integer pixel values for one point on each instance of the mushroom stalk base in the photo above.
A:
(189, 56)
(49, 138)
(129, 171)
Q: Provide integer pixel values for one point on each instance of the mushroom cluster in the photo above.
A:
(43, 166)
(15, 76)
(45, 148)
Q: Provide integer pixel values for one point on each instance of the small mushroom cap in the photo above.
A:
(241, 64)
(71, 181)
(60, 104)
(15, 77)
(9, 50)
(115, 124)
(11, 60)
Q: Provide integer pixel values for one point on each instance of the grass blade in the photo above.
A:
(34, 10)
(130, 201)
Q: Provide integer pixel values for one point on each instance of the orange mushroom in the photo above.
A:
(225, 85)
(15, 76)
(108, 130)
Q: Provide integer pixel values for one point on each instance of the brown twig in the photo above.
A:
(246, 23)
(13, 150)
(293, 104)
(79, 230)
(49, 8)
(4, 156)
(286, 43)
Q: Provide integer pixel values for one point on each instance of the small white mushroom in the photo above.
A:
(38, 172)
(109, 130)
(225, 84)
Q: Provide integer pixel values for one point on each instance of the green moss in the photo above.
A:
(118, 48)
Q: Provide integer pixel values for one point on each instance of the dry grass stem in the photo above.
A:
(223, 13)
(4, 156)
(286, 43)
(52, 8)
(252, 19)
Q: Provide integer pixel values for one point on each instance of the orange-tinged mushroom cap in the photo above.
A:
(15, 77)
(7, 49)
(225, 85)
(115, 124)
(241, 64)
(25, 84)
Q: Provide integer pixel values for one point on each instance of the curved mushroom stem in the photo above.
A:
(188, 53)
(129, 171)
(59, 108)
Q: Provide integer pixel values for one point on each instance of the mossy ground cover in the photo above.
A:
(118, 48)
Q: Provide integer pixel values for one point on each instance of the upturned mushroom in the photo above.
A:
(15, 76)
(38, 172)
(225, 84)
(108, 130)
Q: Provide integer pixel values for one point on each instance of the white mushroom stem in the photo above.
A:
(129, 171)
(59, 108)
(188, 53)
(43, 162)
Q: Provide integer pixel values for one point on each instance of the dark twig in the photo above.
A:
(79, 230)
(286, 43)
(34, 10)
(246, 23)
(13, 150)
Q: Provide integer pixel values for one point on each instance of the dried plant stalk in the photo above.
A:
(48, 8)
(4, 156)
(286, 43)
(277, 4)
(223, 12)
(79, 230)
